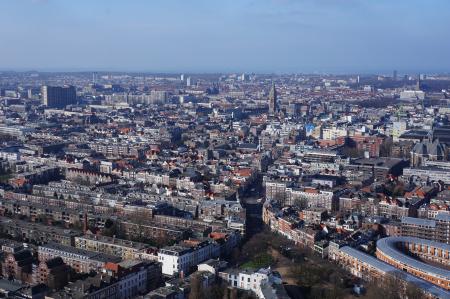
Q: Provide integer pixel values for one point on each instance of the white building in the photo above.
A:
(412, 94)
(332, 133)
(258, 282)
(181, 259)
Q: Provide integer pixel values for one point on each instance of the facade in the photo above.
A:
(18, 265)
(53, 273)
(332, 133)
(135, 277)
(407, 254)
(111, 246)
(182, 259)
(428, 174)
(286, 195)
(437, 229)
(37, 233)
(259, 282)
(80, 260)
(58, 96)
(370, 268)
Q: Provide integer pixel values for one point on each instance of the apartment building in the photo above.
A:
(182, 259)
(437, 229)
(82, 261)
(111, 246)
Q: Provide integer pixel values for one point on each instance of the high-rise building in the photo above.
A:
(58, 96)
(394, 75)
(273, 104)
(243, 77)
(418, 82)
(188, 81)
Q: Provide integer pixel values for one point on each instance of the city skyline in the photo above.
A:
(270, 36)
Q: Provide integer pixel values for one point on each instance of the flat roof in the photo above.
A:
(418, 221)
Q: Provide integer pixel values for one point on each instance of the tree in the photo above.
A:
(386, 288)
(301, 203)
(196, 291)
(112, 228)
(352, 152)
(386, 148)
(413, 292)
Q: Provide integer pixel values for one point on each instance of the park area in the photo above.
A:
(305, 275)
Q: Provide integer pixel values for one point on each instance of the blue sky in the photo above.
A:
(226, 35)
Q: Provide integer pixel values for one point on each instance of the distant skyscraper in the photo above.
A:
(273, 104)
(188, 81)
(58, 96)
(182, 77)
(394, 75)
(243, 77)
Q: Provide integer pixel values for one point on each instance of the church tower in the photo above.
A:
(273, 101)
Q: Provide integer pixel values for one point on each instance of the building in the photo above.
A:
(18, 265)
(364, 143)
(437, 229)
(260, 282)
(15, 289)
(54, 273)
(58, 96)
(332, 133)
(15, 130)
(370, 268)
(314, 215)
(111, 246)
(166, 292)
(34, 232)
(378, 168)
(273, 100)
(135, 277)
(428, 149)
(427, 174)
(411, 254)
(412, 94)
(398, 128)
(100, 286)
(80, 260)
(182, 259)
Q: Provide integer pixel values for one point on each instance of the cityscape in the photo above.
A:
(198, 181)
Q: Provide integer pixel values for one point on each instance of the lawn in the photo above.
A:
(262, 260)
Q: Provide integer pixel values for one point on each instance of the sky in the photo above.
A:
(262, 36)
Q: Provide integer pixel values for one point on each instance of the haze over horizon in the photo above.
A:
(284, 36)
